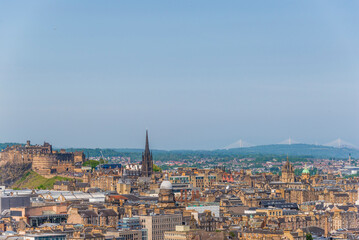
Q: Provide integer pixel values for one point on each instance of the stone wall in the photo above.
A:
(42, 164)
(42, 158)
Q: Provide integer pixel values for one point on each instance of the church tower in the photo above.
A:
(147, 162)
(288, 175)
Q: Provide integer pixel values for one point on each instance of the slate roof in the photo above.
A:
(314, 231)
(107, 212)
(88, 213)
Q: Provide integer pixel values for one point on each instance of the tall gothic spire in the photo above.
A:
(147, 147)
(147, 162)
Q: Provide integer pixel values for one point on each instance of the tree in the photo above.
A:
(91, 163)
(156, 168)
(232, 234)
(309, 236)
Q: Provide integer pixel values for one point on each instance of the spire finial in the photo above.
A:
(147, 147)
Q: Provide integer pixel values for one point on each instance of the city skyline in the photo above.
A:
(198, 75)
(337, 143)
(179, 120)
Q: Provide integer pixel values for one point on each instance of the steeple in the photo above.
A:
(287, 172)
(147, 147)
(147, 162)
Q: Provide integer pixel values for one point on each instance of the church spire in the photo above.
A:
(147, 162)
(147, 147)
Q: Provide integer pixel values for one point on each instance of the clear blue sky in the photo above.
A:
(197, 74)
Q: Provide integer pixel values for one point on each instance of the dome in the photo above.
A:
(305, 170)
(166, 184)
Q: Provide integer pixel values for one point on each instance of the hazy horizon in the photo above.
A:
(337, 143)
(198, 75)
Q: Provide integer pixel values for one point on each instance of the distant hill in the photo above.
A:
(316, 151)
(4, 145)
(307, 150)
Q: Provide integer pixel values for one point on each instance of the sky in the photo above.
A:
(196, 74)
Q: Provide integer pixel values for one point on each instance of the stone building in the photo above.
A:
(185, 233)
(71, 186)
(166, 198)
(127, 235)
(123, 186)
(157, 225)
(335, 196)
(104, 182)
(342, 218)
(96, 215)
(298, 195)
(271, 234)
(288, 173)
(37, 215)
(204, 221)
(43, 158)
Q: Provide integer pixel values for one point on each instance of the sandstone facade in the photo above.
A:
(43, 158)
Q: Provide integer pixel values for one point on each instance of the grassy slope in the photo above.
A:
(32, 180)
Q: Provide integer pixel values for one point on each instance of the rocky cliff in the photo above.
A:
(10, 172)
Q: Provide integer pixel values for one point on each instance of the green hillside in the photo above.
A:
(32, 180)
